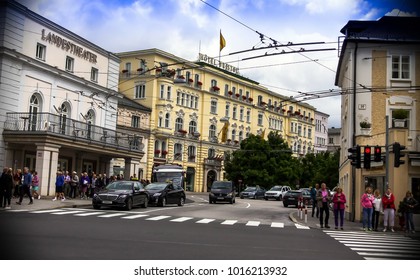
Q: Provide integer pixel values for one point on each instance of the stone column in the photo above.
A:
(131, 167)
(46, 165)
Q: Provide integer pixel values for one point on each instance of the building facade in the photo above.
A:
(59, 99)
(202, 109)
(321, 132)
(334, 143)
(379, 74)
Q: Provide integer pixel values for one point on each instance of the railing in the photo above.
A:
(60, 125)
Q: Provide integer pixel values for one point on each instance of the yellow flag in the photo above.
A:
(224, 132)
(222, 41)
(263, 134)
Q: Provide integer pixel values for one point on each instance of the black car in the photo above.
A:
(307, 200)
(125, 194)
(252, 192)
(166, 193)
(222, 191)
(293, 197)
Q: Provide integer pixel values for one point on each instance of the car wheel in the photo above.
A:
(96, 206)
(280, 197)
(129, 204)
(285, 204)
(266, 198)
(163, 202)
(255, 196)
(242, 197)
(181, 201)
(146, 202)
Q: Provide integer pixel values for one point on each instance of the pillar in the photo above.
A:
(46, 165)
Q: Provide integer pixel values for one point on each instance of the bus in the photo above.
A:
(169, 172)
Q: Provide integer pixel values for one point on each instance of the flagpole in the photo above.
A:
(220, 51)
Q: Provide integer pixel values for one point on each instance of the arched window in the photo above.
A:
(192, 127)
(167, 120)
(179, 124)
(233, 134)
(212, 132)
(34, 109)
(178, 151)
(241, 136)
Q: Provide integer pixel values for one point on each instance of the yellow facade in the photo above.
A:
(199, 111)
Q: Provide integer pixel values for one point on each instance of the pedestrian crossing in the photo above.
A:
(147, 217)
(378, 245)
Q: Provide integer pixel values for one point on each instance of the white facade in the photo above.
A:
(59, 98)
(321, 132)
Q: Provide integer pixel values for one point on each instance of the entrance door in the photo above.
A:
(30, 161)
(88, 167)
(211, 177)
(63, 164)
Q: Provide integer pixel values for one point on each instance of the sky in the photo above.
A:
(186, 28)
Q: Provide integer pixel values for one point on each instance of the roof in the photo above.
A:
(386, 28)
(127, 102)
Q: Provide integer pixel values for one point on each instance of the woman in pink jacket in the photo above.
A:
(339, 201)
(367, 204)
(389, 209)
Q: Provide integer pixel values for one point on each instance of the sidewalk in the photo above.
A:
(47, 203)
(313, 222)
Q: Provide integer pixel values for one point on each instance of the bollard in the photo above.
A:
(301, 211)
(306, 215)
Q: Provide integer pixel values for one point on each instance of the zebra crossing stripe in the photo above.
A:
(112, 215)
(182, 219)
(88, 214)
(67, 212)
(46, 211)
(134, 216)
(229, 222)
(205, 221)
(277, 225)
(157, 218)
(253, 223)
(299, 226)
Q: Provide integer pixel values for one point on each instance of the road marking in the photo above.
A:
(253, 223)
(46, 211)
(182, 219)
(229, 222)
(89, 214)
(157, 218)
(277, 225)
(67, 212)
(134, 216)
(299, 226)
(205, 221)
(112, 215)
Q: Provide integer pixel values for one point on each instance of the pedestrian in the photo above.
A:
(84, 184)
(315, 208)
(74, 185)
(67, 186)
(26, 186)
(410, 203)
(388, 203)
(339, 201)
(8, 183)
(3, 188)
(377, 209)
(323, 198)
(17, 179)
(93, 185)
(35, 185)
(59, 186)
(367, 205)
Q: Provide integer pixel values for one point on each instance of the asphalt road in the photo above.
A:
(246, 230)
(48, 236)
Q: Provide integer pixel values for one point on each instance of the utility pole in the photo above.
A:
(386, 154)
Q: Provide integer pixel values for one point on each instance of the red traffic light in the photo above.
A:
(367, 150)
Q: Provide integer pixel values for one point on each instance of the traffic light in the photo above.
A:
(366, 157)
(377, 156)
(397, 148)
(355, 156)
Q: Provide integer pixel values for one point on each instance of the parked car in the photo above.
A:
(252, 192)
(276, 192)
(293, 197)
(162, 194)
(307, 199)
(125, 194)
(222, 191)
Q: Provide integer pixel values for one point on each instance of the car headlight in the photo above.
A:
(157, 194)
(122, 196)
(230, 194)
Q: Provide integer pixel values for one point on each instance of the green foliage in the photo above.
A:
(270, 162)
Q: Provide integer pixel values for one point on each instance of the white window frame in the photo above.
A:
(41, 51)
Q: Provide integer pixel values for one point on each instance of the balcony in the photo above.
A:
(61, 129)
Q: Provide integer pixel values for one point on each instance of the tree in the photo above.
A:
(262, 162)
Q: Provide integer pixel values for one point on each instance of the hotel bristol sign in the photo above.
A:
(68, 46)
(218, 63)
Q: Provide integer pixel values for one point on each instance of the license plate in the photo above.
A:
(220, 198)
(106, 202)
(292, 198)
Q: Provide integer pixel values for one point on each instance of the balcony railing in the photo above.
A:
(61, 126)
